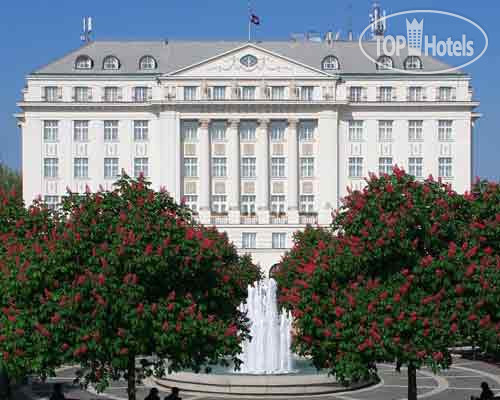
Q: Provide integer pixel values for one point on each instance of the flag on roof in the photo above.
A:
(254, 19)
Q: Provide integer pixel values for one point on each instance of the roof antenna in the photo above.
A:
(349, 22)
(377, 20)
(87, 29)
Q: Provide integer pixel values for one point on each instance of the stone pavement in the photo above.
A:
(461, 381)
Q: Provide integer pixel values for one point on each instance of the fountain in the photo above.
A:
(268, 365)
(269, 351)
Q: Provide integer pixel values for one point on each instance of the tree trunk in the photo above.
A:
(131, 377)
(412, 382)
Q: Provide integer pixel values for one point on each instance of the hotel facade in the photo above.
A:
(260, 139)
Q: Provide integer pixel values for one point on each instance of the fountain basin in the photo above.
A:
(285, 385)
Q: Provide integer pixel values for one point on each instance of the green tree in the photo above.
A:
(134, 276)
(395, 280)
(10, 181)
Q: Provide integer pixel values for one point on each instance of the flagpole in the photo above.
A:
(249, 22)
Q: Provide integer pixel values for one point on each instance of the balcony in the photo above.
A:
(308, 219)
(249, 220)
(279, 219)
(222, 219)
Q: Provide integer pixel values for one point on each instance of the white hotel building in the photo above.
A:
(259, 138)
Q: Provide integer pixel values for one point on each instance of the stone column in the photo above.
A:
(204, 171)
(293, 172)
(328, 156)
(263, 172)
(233, 152)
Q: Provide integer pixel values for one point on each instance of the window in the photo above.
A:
(247, 131)
(330, 63)
(141, 94)
(147, 63)
(110, 131)
(277, 93)
(277, 167)
(415, 93)
(385, 131)
(219, 204)
(278, 204)
(413, 62)
(248, 167)
(385, 93)
(385, 165)
(111, 63)
(111, 168)
(81, 168)
(248, 92)
(141, 131)
(355, 167)
(51, 202)
(384, 62)
(81, 131)
(82, 94)
(50, 131)
(218, 131)
(190, 93)
(190, 131)
(50, 167)
(219, 93)
(306, 167)
(446, 94)
(248, 204)
(248, 60)
(415, 131)
(111, 94)
(191, 201)
(84, 62)
(306, 203)
(415, 165)
(141, 167)
(52, 93)
(306, 93)
(277, 131)
(356, 94)
(306, 131)
(249, 240)
(356, 129)
(445, 130)
(279, 240)
(190, 167)
(219, 168)
(445, 167)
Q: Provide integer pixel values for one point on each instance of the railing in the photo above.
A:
(308, 219)
(279, 219)
(249, 220)
(219, 220)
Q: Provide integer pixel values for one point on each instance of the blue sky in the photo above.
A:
(37, 31)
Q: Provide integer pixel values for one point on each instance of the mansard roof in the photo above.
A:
(172, 56)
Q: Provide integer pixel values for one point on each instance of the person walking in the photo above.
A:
(174, 395)
(153, 395)
(486, 393)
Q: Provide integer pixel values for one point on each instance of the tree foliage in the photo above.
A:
(10, 181)
(123, 274)
(408, 270)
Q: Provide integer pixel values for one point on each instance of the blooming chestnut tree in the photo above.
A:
(135, 277)
(397, 279)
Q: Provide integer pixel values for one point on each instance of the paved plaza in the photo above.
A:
(459, 382)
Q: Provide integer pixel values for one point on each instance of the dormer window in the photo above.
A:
(148, 63)
(111, 63)
(330, 63)
(413, 62)
(84, 62)
(385, 62)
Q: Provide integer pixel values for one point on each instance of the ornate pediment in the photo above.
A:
(248, 62)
